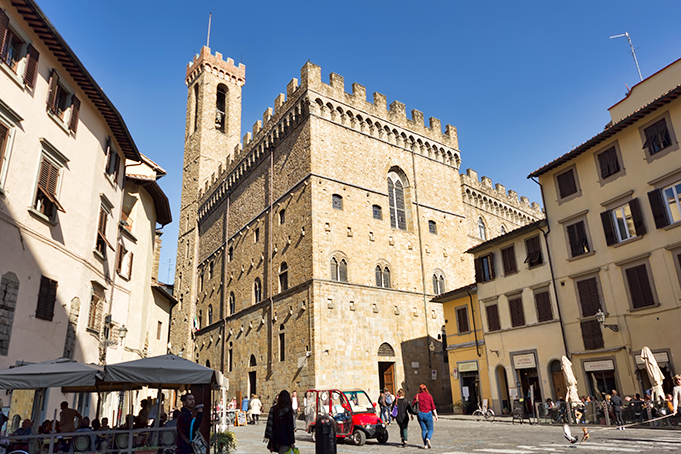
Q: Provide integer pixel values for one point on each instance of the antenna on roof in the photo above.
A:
(210, 16)
(633, 52)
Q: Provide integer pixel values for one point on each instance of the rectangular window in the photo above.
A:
(517, 312)
(508, 258)
(543, 302)
(657, 137)
(432, 227)
(159, 329)
(282, 347)
(377, 212)
(567, 184)
(592, 335)
(47, 296)
(579, 243)
(124, 262)
(102, 242)
(462, 319)
(11, 49)
(666, 205)
(229, 360)
(484, 268)
(46, 201)
(256, 235)
(533, 249)
(589, 298)
(15, 52)
(493, 323)
(94, 320)
(623, 223)
(113, 161)
(608, 162)
(59, 100)
(640, 289)
(337, 202)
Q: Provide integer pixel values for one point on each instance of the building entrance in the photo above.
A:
(251, 384)
(529, 379)
(386, 376)
(558, 380)
(470, 391)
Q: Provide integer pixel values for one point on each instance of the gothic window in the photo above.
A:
(482, 230)
(438, 283)
(503, 230)
(257, 290)
(232, 304)
(398, 217)
(283, 277)
(220, 108)
(382, 276)
(339, 270)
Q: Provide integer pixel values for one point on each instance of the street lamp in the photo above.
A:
(600, 318)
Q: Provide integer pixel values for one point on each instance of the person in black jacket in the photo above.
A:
(404, 413)
(280, 425)
(186, 431)
(616, 403)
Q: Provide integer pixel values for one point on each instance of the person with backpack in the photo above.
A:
(389, 401)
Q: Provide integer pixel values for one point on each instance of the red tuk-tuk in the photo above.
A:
(353, 411)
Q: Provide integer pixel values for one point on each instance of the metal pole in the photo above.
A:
(210, 16)
(633, 54)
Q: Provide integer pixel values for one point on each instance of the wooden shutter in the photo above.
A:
(31, 66)
(478, 270)
(4, 26)
(592, 335)
(639, 286)
(544, 312)
(566, 183)
(119, 258)
(75, 110)
(462, 319)
(517, 312)
(132, 256)
(491, 265)
(493, 317)
(608, 228)
(47, 182)
(47, 295)
(52, 95)
(4, 133)
(588, 297)
(574, 239)
(508, 256)
(637, 217)
(659, 208)
(107, 148)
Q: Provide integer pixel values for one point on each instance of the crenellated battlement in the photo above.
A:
(482, 192)
(224, 69)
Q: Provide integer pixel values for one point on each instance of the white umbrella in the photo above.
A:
(572, 393)
(655, 374)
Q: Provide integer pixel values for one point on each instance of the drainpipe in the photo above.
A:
(475, 330)
(553, 277)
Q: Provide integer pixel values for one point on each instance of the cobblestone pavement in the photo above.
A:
(458, 437)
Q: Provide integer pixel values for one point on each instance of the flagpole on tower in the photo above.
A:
(210, 16)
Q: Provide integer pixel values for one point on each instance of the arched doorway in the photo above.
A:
(252, 377)
(386, 367)
(558, 380)
(504, 400)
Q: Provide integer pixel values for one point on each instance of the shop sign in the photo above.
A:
(660, 357)
(524, 361)
(595, 366)
(414, 364)
(468, 366)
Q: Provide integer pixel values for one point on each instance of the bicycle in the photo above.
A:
(483, 412)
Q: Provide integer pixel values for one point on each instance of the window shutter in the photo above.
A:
(31, 66)
(119, 258)
(343, 271)
(588, 297)
(544, 312)
(608, 228)
(47, 182)
(493, 317)
(592, 335)
(130, 264)
(4, 26)
(478, 270)
(637, 216)
(574, 240)
(639, 287)
(517, 312)
(47, 296)
(462, 319)
(566, 184)
(75, 110)
(491, 266)
(509, 260)
(657, 205)
(52, 95)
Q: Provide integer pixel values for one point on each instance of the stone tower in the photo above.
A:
(212, 131)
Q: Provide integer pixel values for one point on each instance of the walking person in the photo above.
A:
(676, 393)
(404, 413)
(188, 423)
(426, 414)
(256, 409)
(389, 401)
(616, 402)
(280, 425)
(382, 406)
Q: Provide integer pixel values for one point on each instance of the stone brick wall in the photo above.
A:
(9, 291)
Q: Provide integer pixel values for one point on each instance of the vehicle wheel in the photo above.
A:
(382, 438)
(359, 437)
(313, 434)
(490, 415)
(477, 414)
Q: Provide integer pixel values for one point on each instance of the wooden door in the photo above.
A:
(559, 386)
(388, 376)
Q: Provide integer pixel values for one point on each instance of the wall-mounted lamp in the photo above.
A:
(600, 318)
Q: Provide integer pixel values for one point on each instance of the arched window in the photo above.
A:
(251, 362)
(482, 230)
(386, 277)
(398, 217)
(432, 227)
(379, 276)
(283, 277)
(232, 304)
(503, 230)
(334, 269)
(210, 314)
(382, 277)
(220, 108)
(208, 363)
(230, 254)
(282, 344)
(257, 290)
(343, 271)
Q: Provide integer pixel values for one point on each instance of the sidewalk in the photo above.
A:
(508, 419)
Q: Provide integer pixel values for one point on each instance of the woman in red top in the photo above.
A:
(426, 414)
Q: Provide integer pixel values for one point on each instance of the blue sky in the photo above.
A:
(523, 82)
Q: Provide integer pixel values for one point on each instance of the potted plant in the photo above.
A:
(223, 442)
(458, 407)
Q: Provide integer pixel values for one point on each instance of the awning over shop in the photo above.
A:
(168, 370)
(55, 373)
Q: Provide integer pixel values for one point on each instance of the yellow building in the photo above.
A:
(465, 347)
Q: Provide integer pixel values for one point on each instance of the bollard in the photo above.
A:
(325, 435)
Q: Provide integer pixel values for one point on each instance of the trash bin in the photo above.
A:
(325, 435)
